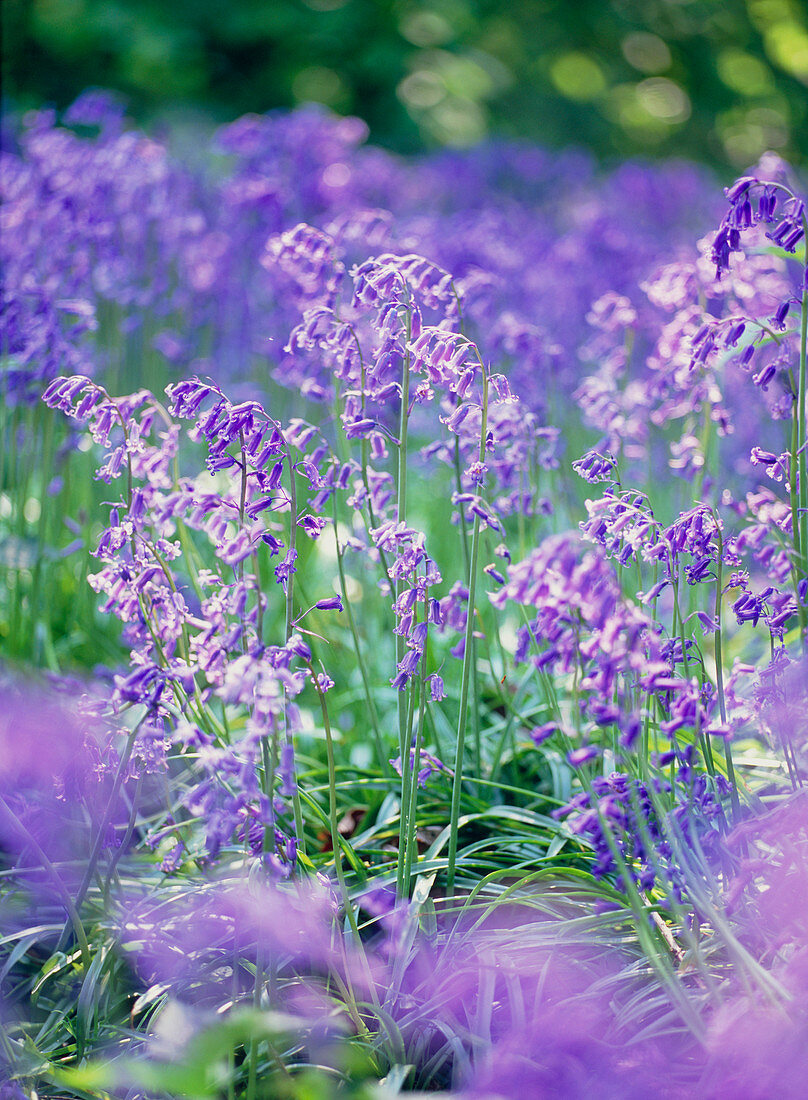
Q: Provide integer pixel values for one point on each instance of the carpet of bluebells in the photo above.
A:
(404, 611)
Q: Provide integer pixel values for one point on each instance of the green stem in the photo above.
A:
(289, 627)
(401, 515)
(290, 580)
(467, 661)
(406, 783)
(374, 718)
(475, 693)
(252, 1055)
(719, 673)
(336, 840)
(127, 837)
(411, 850)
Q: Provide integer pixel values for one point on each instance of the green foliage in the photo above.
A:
(707, 79)
(48, 612)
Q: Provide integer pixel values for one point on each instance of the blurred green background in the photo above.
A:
(714, 80)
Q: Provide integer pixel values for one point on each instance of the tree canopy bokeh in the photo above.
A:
(715, 80)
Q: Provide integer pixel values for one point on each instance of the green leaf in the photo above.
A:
(201, 1072)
